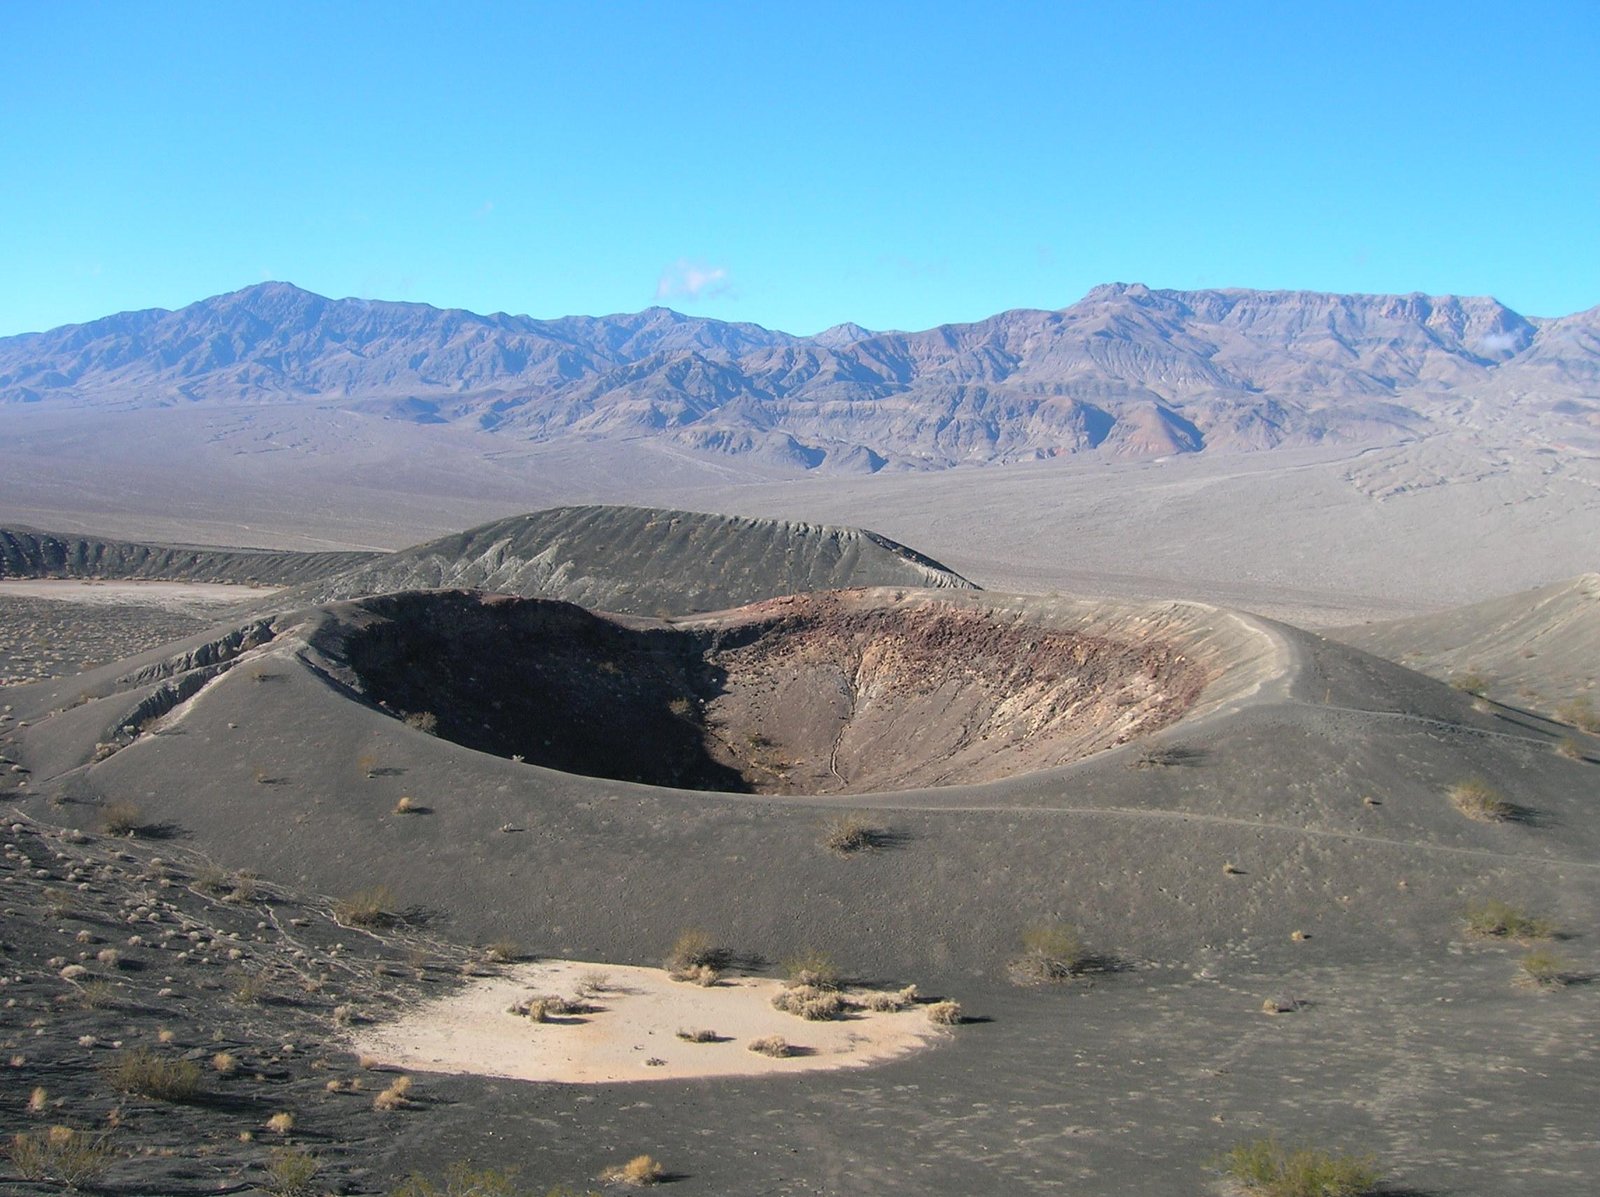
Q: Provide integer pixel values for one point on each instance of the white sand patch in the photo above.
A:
(126, 592)
(631, 1032)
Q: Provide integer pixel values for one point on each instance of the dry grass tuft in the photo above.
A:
(394, 1097)
(281, 1123)
(775, 1046)
(640, 1171)
(1478, 800)
(847, 834)
(407, 806)
(225, 1063)
(945, 1014)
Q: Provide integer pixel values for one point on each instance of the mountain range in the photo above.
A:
(1127, 371)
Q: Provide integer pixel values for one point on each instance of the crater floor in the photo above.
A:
(845, 692)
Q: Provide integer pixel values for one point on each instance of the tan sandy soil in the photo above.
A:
(631, 1032)
(171, 596)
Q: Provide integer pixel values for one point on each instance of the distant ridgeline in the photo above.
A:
(1125, 372)
(28, 554)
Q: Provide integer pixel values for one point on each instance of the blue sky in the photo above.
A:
(900, 165)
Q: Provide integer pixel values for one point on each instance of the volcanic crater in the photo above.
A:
(833, 693)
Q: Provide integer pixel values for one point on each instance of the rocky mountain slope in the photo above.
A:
(1127, 371)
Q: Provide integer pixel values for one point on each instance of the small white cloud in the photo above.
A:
(693, 280)
(1502, 342)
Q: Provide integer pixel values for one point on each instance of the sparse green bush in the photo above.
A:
(292, 1173)
(146, 1074)
(463, 1180)
(1050, 952)
(1494, 918)
(1545, 969)
(1477, 799)
(696, 957)
(73, 1158)
(1581, 713)
(1266, 1168)
(811, 968)
(366, 908)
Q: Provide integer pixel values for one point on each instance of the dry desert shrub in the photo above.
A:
(810, 1002)
(225, 1063)
(640, 1171)
(503, 951)
(366, 908)
(695, 957)
(701, 1036)
(811, 969)
(1471, 681)
(1477, 799)
(121, 818)
(1266, 1168)
(146, 1074)
(850, 833)
(544, 1007)
(61, 1154)
(463, 1180)
(38, 1100)
(280, 1123)
(888, 1001)
(1569, 748)
(407, 806)
(1492, 918)
(945, 1014)
(394, 1097)
(594, 981)
(1050, 952)
(424, 721)
(775, 1046)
